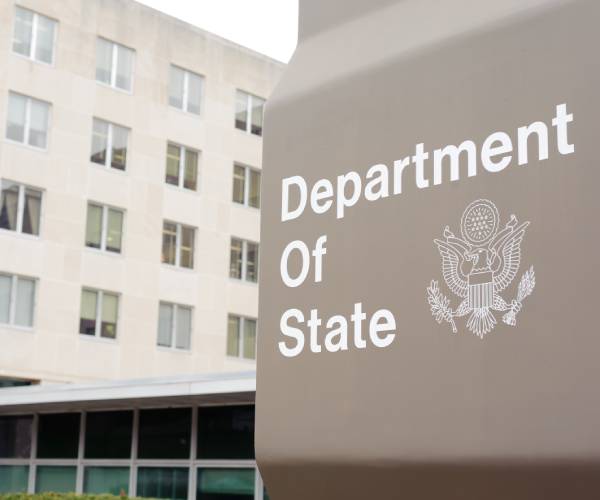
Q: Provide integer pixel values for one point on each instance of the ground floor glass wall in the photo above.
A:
(202, 453)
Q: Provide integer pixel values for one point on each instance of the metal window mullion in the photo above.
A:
(181, 173)
(99, 295)
(80, 452)
(174, 327)
(113, 65)
(193, 477)
(27, 119)
(249, 114)
(178, 245)
(33, 453)
(247, 186)
(186, 90)
(244, 259)
(34, 35)
(109, 141)
(20, 208)
(134, 448)
(104, 229)
(13, 299)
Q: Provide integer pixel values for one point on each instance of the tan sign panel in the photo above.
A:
(429, 270)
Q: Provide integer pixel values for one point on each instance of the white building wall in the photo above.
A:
(54, 350)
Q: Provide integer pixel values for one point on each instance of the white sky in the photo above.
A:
(267, 26)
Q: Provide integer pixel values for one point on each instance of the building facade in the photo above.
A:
(130, 159)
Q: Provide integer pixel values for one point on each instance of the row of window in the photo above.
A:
(20, 211)
(35, 38)
(152, 453)
(27, 123)
(99, 314)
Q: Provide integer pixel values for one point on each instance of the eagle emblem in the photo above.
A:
(478, 266)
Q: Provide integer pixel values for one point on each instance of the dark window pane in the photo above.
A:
(254, 189)
(226, 432)
(239, 181)
(31, 211)
(190, 179)
(58, 436)
(13, 478)
(165, 433)
(173, 160)
(235, 261)
(108, 434)
(241, 110)
(252, 262)
(55, 479)
(119, 147)
(225, 484)
(169, 243)
(15, 436)
(10, 205)
(163, 482)
(99, 142)
(102, 480)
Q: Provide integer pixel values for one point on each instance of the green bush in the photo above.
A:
(59, 496)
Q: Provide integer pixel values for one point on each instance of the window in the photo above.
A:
(17, 299)
(28, 120)
(15, 436)
(104, 229)
(249, 113)
(174, 326)
(178, 245)
(226, 483)
(20, 208)
(99, 312)
(243, 260)
(185, 90)
(108, 434)
(246, 186)
(163, 482)
(109, 144)
(182, 167)
(103, 480)
(34, 36)
(114, 65)
(58, 435)
(226, 432)
(165, 434)
(58, 479)
(14, 478)
(241, 337)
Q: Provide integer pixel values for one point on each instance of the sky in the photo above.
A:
(267, 26)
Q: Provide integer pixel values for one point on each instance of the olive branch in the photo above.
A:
(526, 286)
(440, 305)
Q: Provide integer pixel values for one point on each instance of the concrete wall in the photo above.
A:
(54, 350)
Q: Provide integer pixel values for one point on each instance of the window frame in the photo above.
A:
(178, 237)
(109, 146)
(98, 319)
(175, 307)
(249, 98)
(12, 306)
(34, 36)
(183, 151)
(248, 170)
(104, 228)
(243, 277)
(242, 337)
(27, 123)
(21, 208)
(186, 90)
(114, 62)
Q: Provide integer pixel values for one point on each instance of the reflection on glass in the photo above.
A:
(163, 482)
(194, 93)
(99, 142)
(110, 306)
(252, 262)
(187, 247)
(165, 324)
(184, 327)
(17, 109)
(225, 484)
(235, 262)
(249, 339)
(25, 300)
(191, 170)
(89, 307)
(257, 115)
(23, 31)
(173, 162)
(38, 126)
(176, 83)
(119, 147)
(254, 189)
(124, 68)
(233, 336)
(241, 110)
(106, 480)
(169, 243)
(93, 230)
(13, 478)
(45, 39)
(104, 54)
(57, 479)
(239, 181)
(114, 230)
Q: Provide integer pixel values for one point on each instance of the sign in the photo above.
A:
(427, 321)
